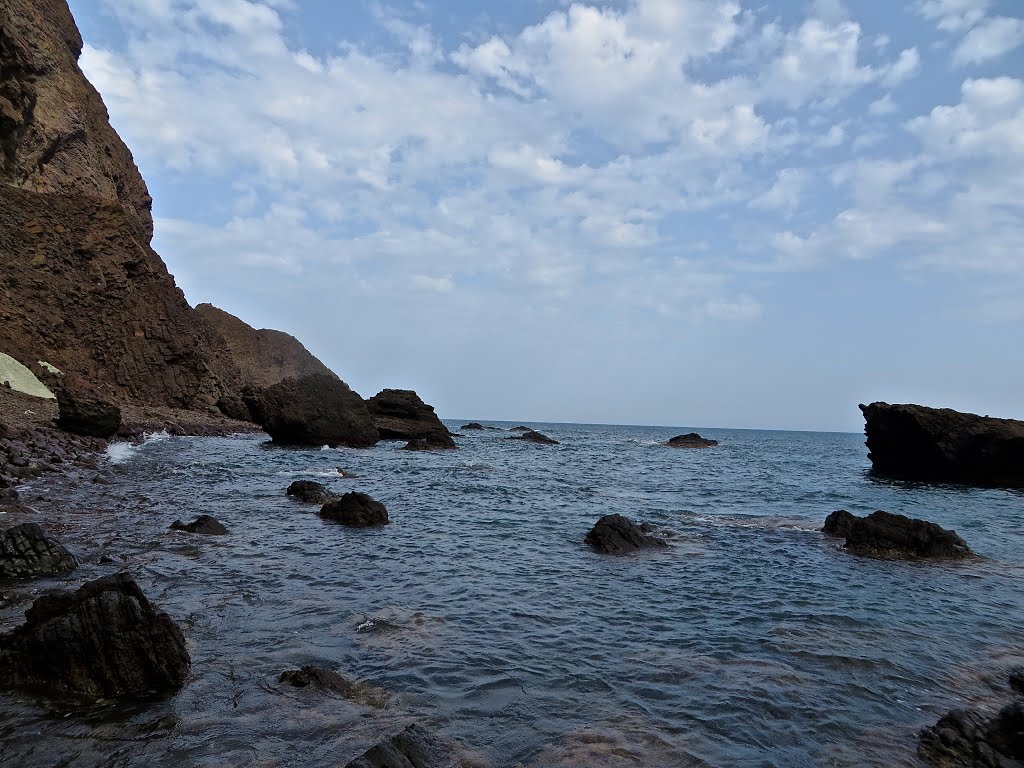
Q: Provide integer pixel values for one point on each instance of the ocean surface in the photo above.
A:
(753, 640)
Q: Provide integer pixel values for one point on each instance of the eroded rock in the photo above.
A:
(86, 413)
(357, 510)
(204, 524)
(26, 551)
(691, 440)
(415, 747)
(885, 535)
(309, 491)
(400, 414)
(617, 535)
(532, 436)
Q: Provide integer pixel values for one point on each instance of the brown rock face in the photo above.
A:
(400, 414)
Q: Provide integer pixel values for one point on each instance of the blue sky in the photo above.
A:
(680, 212)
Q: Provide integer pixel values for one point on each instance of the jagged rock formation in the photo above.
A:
(617, 535)
(885, 535)
(26, 550)
(939, 444)
(400, 414)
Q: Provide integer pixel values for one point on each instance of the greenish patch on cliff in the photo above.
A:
(21, 378)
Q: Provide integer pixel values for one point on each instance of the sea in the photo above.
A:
(751, 640)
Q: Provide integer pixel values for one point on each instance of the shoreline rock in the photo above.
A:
(618, 535)
(400, 414)
(26, 552)
(356, 510)
(887, 536)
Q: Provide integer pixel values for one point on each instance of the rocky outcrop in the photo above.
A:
(104, 640)
(29, 451)
(885, 535)
(308, 491)
(691, 440)
(328, 680)
(473, 425)
(532, 436)
(356, 510)
(26, 551)
(204, 524)
(87, 413)
(400, 414)
(618, 535)
(938, 444)
(415, 747)
(968, 739)
(315, 410)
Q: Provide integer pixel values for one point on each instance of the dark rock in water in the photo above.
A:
(415, 747)
(26, 551)
(1017, 679)
(325, 679)
(314, 410)
(531, 436)
(104, 640)
(355, 509)
(234, 407)
(521, 428)
(966, 739)
(616, 534)
(471, 425)
(938, 444)
(307, 490)
(691, 440)
(85, 413)
(885, 535)
(838, 523)
(204, 524)
(400, 414)
(8, 495)
(432, 443)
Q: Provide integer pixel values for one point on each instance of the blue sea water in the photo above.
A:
(752, 640)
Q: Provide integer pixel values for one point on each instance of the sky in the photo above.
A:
(690, 213)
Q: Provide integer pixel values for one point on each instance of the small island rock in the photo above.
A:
(532, 436)
(204, 524)
(400, 414)
(617, 534)
(691, 440)
(885, 535)
(309, 491)
(355, 509)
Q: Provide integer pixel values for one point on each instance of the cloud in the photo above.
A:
(954, 15)
(991, 39)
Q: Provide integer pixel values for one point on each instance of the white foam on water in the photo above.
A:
(119, 453)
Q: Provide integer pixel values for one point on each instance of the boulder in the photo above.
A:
(616, 535)
(400, 414)
(691, 440)
(83, 412)
(471, 425)
(967, 739)
(234, 407)
(938, 444)
(104, 640)
(355, 509)
(432, 443)
(307, 490)
(204, 524)
(26, 551)
(313, 410)
(326, 680)
(415, 747)
(532, 436)
(885, 535)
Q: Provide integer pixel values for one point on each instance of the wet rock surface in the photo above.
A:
(969, 739)
(328, 680)
(838, 523)
(357, 510)
(617, 535)
(939, 444)
(400, 414)
(691, 440)
(26, 551)
(432, 443)
(415, 747)
(204, 524)
(532, 436)
(103, 640)
(309, 491)
(888, 536)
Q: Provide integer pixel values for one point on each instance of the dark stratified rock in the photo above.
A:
(616, 535)
(104, 640)
(314, 410)
(415, 747)
(532, 436)
(938, 444)
(432, 443)
(234, 407)
(85, 413)
(400, 414)
(204, 524)
(307, 490)
(691, 440)
(355, 509)
(327, 680)
(885, 535)
(967, 739)
(26, 551)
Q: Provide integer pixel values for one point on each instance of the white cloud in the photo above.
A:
(954, 15)
(992, 38)
(786, 193)
(883, 106)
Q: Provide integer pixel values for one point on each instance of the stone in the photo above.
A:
(204, 524)
(307, 490)
(327, 680)
(103, 640)
(914, 442)
(967, 739)
(356, 510)
(471, 425)
(400, 414)
(617, 534)
(521, 428)
(26, 551)
(86, 413)
(691, 440)
(838, 523)
(1016, 679)
(432, 443)
(888, 536)
(314, 410)
(532, 436)
(415, 747)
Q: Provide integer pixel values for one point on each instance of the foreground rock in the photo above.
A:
(415, 747)
(308, 491)
(104, 640)
(204, 524)
(967, 739)
(327, 680)
(532, 436)
(889, 536)
(400, 414)
(26, 551)
(313, 410)
(691, 440)
(356, 510)
(617, 535)
(83, 412)
(938, 444)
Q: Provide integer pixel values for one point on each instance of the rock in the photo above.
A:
(86, 413)
(400, 414)
(8, 495)
(104, 640)
(355, 509)
(326, 680)
(531, 436)
(616, 535)
(26, 551)
(691, 440)
(471, 425)
(314, 410)
(521, 429)
(415, 747)
(1017, 679)
(234, 407)
(307, 490)
(432, 443)
(938, 444)
(204, 524)
(966, 739)
(885, 535)
(838, 523)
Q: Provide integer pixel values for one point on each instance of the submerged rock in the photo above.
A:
(691, 440)
(475, 425)
(204, 524)
(104, 640)
(885, 535)
(415, 747)
(616, 535)
(532, 436)
(939, 444)
(967, 739)
(307, 490)
(521, 428)
(26, 551)
(400, 414)
(431, 443)
(83, 412)
(325, 679)
(355, 509)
